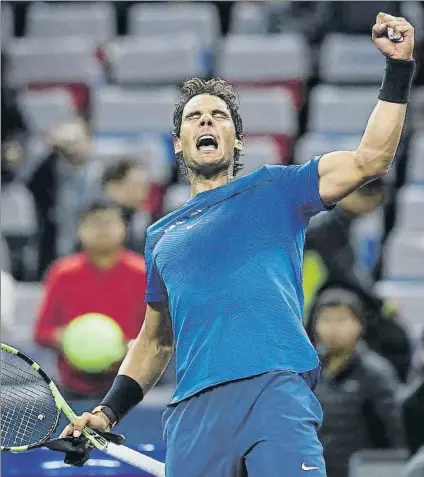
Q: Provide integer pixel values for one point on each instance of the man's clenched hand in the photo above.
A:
(396, 50)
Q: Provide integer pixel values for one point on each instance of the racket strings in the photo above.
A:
(28, 411)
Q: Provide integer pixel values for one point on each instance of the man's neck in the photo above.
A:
(104, 261)
(202, 184)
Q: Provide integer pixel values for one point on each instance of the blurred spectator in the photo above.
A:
(357, 387)
(61, 190)
(8, 300)
(413, 403)
(126, 183)
(104, 278)
(13, 128)
(330, 257)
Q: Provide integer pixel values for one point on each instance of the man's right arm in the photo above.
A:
(152, 350)
(144, 363)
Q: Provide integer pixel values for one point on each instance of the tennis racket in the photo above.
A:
(30, 408)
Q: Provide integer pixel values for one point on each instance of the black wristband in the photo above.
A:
(397, 81)
(124, 394)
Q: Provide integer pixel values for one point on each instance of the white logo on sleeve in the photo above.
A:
(305, 467)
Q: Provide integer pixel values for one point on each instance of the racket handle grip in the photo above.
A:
(393, 36)
(136, 459)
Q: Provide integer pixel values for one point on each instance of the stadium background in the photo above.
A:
(307, 79)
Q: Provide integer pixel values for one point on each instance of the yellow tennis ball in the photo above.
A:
(93, 342)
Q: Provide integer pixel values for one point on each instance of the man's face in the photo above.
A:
(102, 231)
(207, 136)
(131, 190)
(337, 328)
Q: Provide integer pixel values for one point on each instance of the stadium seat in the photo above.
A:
(5, 263)
(149, 149)
(259, 151)
(340, 110)
(350, 59)
(43, 63)
(19, 227)
(248, 18)
(415, 166)
(408, 298)
(175, 196)
(28, 299)
(313, 144)
(410, 208)
(403, 255)
(7, 26)
(201, 20)
(42, 60)
(44, 110)
(20, 335)
(118, 111)
(378, 463)
(18, 218)
(49, 20)
(269, 112)
(152, 60)
(266, 59)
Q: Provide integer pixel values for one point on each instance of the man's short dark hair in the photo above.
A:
(116, 171)
(214, 87)
(99, 205)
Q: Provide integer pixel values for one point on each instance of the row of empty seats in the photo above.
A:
(99, 20)
(332, 110)
(264, 110)
(269, 112)
(172, 56)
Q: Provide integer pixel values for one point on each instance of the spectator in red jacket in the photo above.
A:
(104, 278)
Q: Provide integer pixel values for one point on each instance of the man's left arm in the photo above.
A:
(342, 172)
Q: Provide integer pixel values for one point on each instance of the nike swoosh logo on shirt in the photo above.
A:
(305, 467)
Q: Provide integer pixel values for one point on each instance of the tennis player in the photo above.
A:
(225, 287)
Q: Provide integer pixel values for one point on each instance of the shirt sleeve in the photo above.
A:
(155, 289)
(300, 186)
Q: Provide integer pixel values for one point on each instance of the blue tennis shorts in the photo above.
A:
(263, 426)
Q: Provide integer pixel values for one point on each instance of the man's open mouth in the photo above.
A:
(206, 143)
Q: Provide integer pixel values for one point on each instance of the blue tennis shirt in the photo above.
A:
(230, 263)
